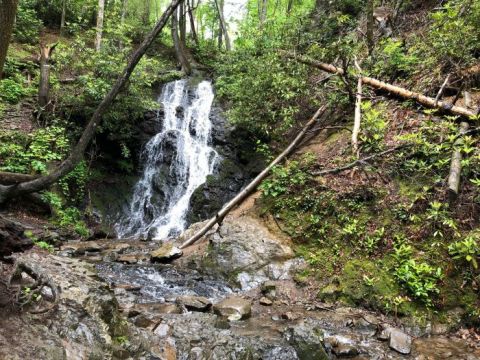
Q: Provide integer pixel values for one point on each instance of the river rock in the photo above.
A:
(81, 247)
(166, 253)
(84, 322)
(265, 301)
(307, 339)
(244, 245)
(233, 308)
(401, 342)
(195, 303)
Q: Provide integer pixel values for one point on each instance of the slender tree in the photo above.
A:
(64, 14)
(100, 15)
(8, 10)
(223, 25)
(179, 48)
(370, 24)
(191, 17)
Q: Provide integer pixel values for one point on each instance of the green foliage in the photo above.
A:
(419, 278)
(41, 244)
(264, 91)
(11, 90)
(467, 250)
(67, 217)
(374, 126)
(453, 37)
(34, 152)
(283, 179)
(393, 59)
(27, 23)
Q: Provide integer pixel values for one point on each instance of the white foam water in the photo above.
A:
(187, 128)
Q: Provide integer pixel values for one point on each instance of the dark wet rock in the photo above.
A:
(195, 303)
(233, 308)
(166, 253)
(12, 237)
(307, 341)
(401, 342)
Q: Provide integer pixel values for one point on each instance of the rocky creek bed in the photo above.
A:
(229, 297)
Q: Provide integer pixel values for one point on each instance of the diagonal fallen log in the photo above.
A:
(218, 218)
(9, 178)
(377, 84)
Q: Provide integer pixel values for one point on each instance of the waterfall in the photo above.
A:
(176, 161)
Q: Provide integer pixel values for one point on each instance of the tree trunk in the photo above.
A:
(219, 4)
(370, 24)
(262, 15)
(192, 23)
(358, 117)
(218, 218)
(377, 84)
(64, 14)
(182, 24)
(100, 15)
(146, 12)
(456, 165)
(44, 83)
(123, 15)
(289, 6)
(179, 50)
(76, 155)
(8, 9)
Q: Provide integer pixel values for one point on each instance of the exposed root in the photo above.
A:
(27, 296)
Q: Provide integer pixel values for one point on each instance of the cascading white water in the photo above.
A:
(177, 160)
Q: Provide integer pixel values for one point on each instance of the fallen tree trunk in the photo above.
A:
(377, 84)
(14, 178)
(76, 155)
(218, 218)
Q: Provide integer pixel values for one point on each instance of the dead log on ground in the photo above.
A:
(380, 85)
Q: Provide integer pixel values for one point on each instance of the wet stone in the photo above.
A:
(345, 350)
(195, 303)
(400, 342)
(166, 253)
(234, 308)
(265, 301)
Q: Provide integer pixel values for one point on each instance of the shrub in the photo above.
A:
(467, 250)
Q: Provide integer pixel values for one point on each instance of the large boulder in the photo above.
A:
(244, 245)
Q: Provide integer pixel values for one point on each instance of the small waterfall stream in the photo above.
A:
(176, 161)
